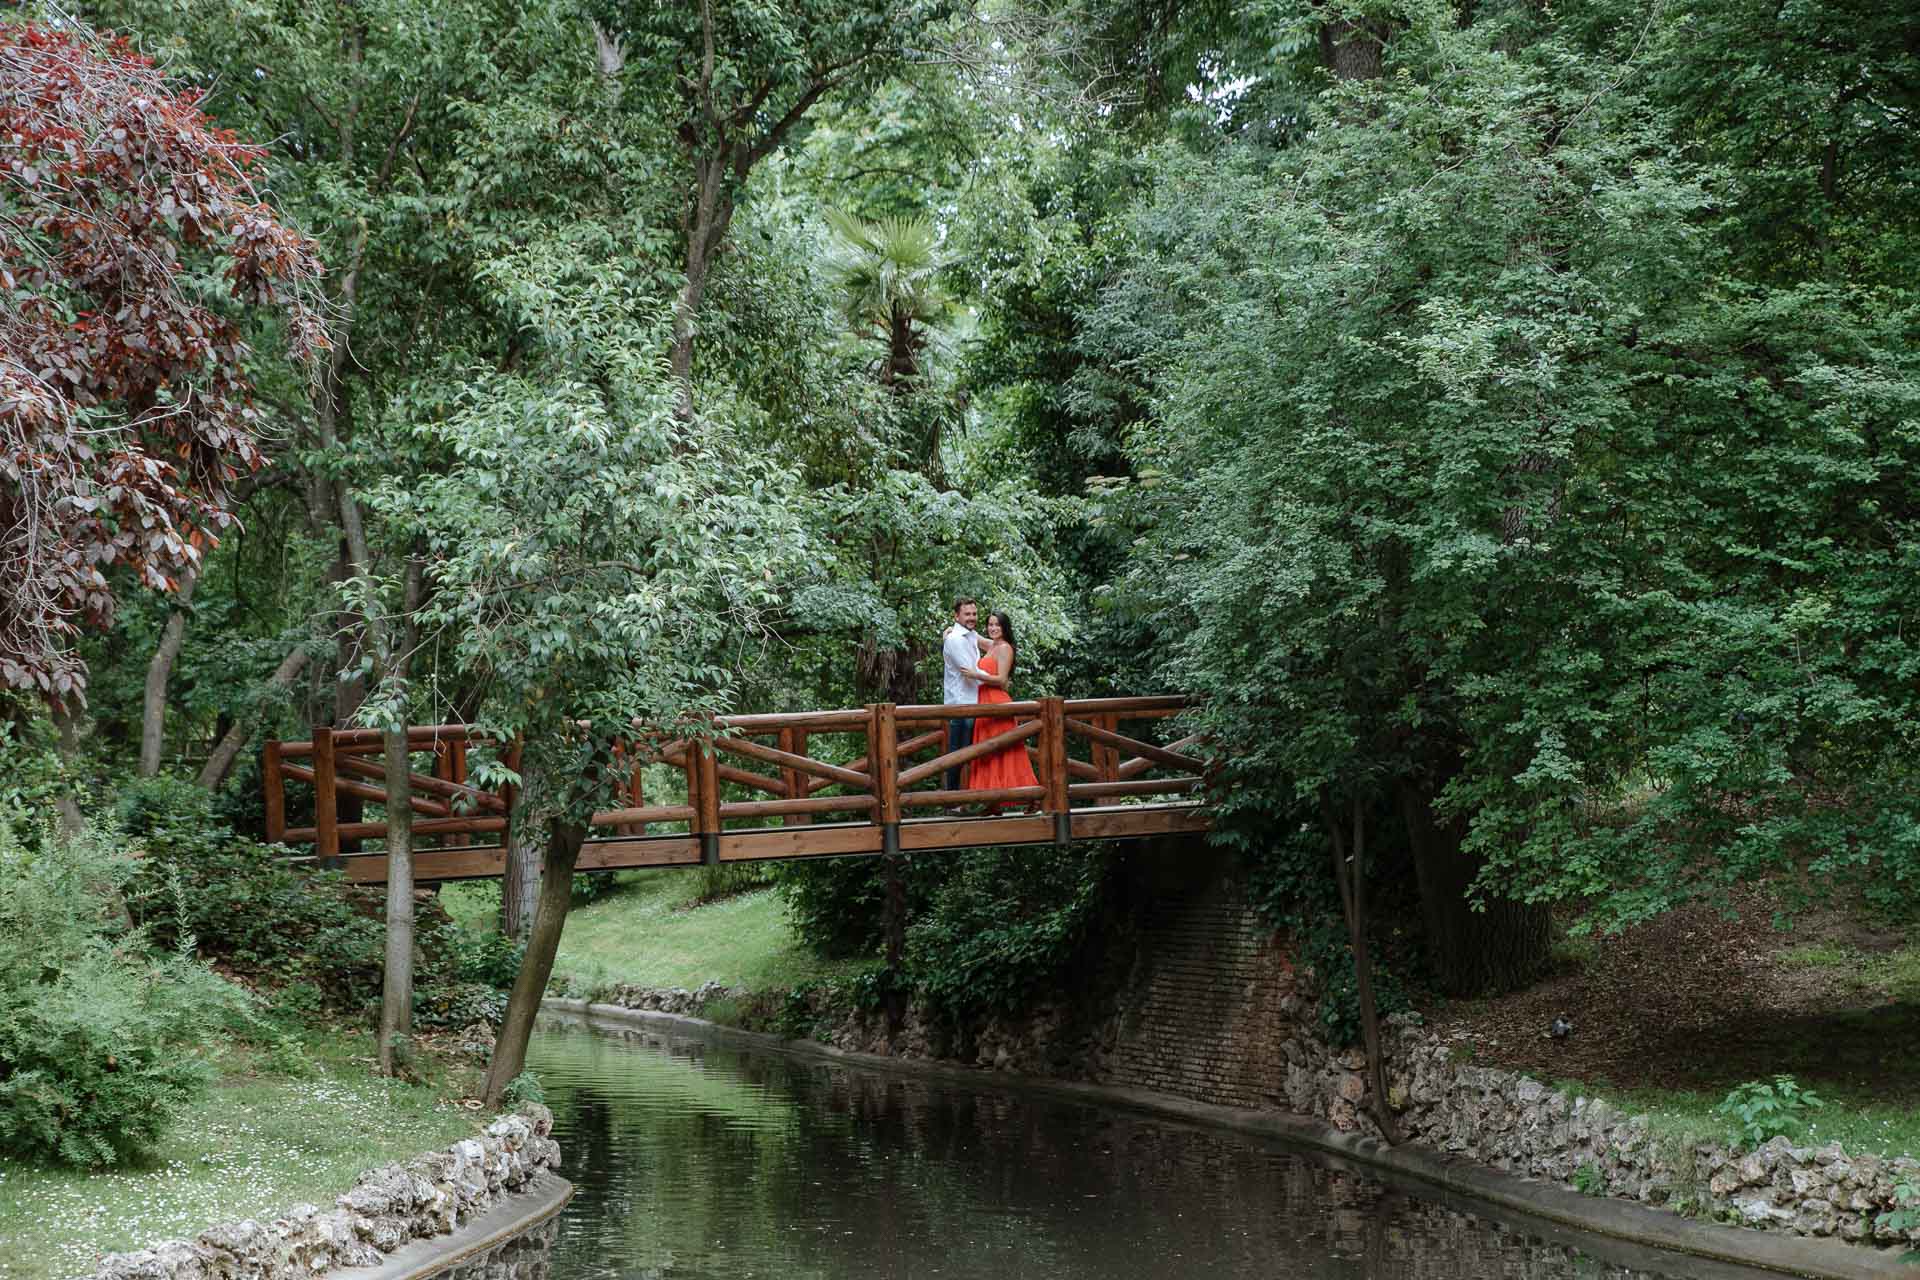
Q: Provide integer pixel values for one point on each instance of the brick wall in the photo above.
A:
(1202, 1005)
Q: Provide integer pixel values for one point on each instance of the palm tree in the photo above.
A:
(888, 273)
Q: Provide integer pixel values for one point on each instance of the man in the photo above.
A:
(960, 653)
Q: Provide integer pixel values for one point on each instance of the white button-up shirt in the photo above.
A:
(960, 651)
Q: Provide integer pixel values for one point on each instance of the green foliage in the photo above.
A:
(596, 560)
(524, 1087)
(1288, 884)
(986, 929)
(317, 943)
(1905, 1218)
(101, 1035)
(730, 879)
(1760, 1110)
(836, 904)
(1479, 461)
(1003, 926)
(588, 887)
(1589, 1181)
(244, 902)
(868, 989)
(1324, 949)
(480, 955)
(31, 774)
(794, 1019)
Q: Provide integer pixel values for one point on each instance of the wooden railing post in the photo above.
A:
(509, 792)
(707, 807)
(1053, 750)
(275, 785)
(883, 764)
(326, 800)
(794, 742)
(443, 770)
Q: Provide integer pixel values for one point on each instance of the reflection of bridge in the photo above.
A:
(1096, 783)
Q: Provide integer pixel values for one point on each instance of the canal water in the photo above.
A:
(696, 1158)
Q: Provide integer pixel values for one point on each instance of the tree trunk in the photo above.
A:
(153, 707)
(1350, 874)
(214, 772)
(1352, 48)
(1501, 948)
(396, 999)
(72, 821)
(896, 931)
(530, 984)
(520, 882)
(706, 226)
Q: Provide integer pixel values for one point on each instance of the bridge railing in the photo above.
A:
(789, 772)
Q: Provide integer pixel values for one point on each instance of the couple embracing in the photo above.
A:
(978, 668)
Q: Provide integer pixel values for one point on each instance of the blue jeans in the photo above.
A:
(959, 734)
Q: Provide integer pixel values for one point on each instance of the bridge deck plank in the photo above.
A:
(818, 840)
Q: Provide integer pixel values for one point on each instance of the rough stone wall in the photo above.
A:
(388, 1207)
(1513, 1122)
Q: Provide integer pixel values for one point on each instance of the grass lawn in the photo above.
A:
(648, 932)
(257, 1144)
(1863, 1126)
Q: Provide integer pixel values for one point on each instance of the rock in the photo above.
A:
(1759, 1211)
(1815, 1218)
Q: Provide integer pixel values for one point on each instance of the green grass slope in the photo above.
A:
(650, 931)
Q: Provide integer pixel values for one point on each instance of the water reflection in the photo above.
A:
(695, 1159)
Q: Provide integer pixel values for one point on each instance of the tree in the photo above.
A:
(1488, 485)
(139, 249)
(598, 565)
(742, 80)
(888, 275)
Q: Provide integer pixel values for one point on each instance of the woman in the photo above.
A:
(1010, 767)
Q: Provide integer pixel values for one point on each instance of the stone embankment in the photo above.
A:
(1515, 1123)
(389, 1207)
(1498, 1118)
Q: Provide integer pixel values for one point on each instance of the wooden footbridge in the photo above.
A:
(793, 785)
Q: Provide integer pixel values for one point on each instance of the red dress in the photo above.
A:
(1009, 768)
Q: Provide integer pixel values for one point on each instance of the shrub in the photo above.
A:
(488, 957)
(30, 770)
(99, 1032)
(593, 886)
(1003, 924)
(458, 1004)
(246, 903)
(1761, 1111)
(317, 940)
(730, 879)
(1904, 1218)
(837, 905)
(523, 1088)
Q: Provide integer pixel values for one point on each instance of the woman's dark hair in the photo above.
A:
(1006, 629)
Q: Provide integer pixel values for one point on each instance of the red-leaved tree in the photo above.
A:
(134, 245)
